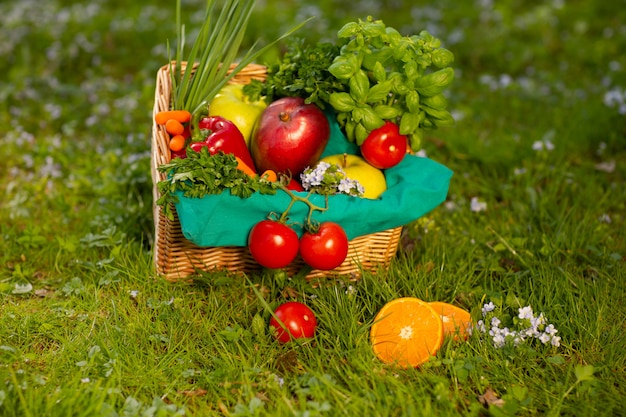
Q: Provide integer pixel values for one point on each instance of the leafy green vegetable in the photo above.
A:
(201, 174)
(388, 77)
(301, 72)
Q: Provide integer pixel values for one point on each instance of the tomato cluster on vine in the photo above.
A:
(273, 244)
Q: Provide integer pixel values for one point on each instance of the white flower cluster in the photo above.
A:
(329, 179)
(528, 326)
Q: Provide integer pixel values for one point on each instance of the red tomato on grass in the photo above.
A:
(326, 249)
(299, 320)
(273, 244)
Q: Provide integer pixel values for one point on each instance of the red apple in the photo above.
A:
(291, 135)
(384, 147)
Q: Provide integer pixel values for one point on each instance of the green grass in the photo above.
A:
(88, 329)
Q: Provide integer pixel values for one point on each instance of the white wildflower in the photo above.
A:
(477, 206)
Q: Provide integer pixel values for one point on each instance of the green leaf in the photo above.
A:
(410, 69)
(434, 83)
(379, 92)
(370, 119)
(386, 112)
(556, 360)
(348, 30)
(447, 120)
(360, 133)
(409, 122)
(379, 72)
(344, 67)
(381, 56)
(584, 373)
(359, 86)
(415, 140)
(374, 28)
(438, 102)
(436, 114)
(350, 128)
(413, 101)
(441, 58)
(398, 84)
(342, 102)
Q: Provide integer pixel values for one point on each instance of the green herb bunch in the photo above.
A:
(388, 76)
(214, 52)
(202, 174)
(301, 72)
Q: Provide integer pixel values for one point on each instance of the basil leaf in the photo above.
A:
(435, 113)
(410, 69)
(386, 112)
(413, 101)
(378, 92)
(370, 119)
(398, 84)
(343, 67)
(360, 133)
(443, 118)
(438, 102)
(435, 82)
(342, 102)
(348, 30)
(410, 122)
(381, 57)
(359, 86)
(379, 72)
(349, 128)
(375, 28)
(441, 57)
(415, 139)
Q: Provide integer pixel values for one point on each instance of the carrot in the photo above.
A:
(270, 175)
(244, 167)
(181, 116)
(177, 143)
(174, 127)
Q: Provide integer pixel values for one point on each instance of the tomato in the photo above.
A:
(273, 244)
(294, 185)
(326, 248)
(384, 147)
(297, 318)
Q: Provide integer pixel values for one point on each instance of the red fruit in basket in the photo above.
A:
(222, 135)
(384, 147)
(325, 248)
(273, 244)
(290, 136)
(298, 319)
(294, 185)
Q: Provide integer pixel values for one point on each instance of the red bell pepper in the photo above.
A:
(222, 135)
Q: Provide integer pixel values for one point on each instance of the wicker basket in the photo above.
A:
(177, 258)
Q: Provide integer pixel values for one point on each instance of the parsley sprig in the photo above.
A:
(301, 72)
(202, 174)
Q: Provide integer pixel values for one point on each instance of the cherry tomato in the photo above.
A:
(294, 185)
(297, 318)
(325, 249)
(273, 244)
(384, 147)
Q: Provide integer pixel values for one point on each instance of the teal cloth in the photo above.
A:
(414, 187)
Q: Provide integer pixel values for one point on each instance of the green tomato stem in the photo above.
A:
(296, 198)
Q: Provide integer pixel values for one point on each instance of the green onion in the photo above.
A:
(214, 51)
